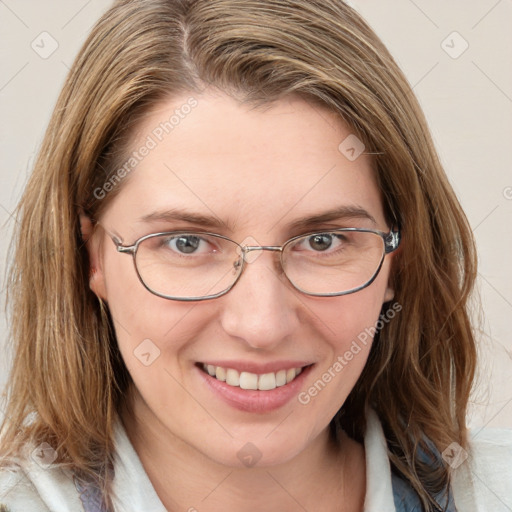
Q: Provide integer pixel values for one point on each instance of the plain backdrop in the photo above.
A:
(457, 55)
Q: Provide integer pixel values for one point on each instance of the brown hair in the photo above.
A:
(421, 366)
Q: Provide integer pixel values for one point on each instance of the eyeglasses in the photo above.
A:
(193, 266)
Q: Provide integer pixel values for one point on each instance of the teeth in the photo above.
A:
(247, 380)
(267, 381)
(281, 378)
(232, 377)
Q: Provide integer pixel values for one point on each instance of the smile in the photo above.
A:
(252, 381)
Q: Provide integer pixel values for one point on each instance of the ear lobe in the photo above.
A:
(389, 294)
(93, 245)
(97, 285)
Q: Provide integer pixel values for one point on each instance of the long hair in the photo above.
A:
(421, 366)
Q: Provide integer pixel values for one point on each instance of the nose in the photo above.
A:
(261, 309)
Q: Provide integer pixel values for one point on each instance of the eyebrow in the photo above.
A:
(174, 214)
(343, 212)
(212, 221)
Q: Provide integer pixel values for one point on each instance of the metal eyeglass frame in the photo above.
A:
(391, 243)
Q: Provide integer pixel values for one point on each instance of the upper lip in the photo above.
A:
(259, 368)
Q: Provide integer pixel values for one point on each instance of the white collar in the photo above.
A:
(132, 489)
(379, 490)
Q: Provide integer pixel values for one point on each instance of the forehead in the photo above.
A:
(253, 169)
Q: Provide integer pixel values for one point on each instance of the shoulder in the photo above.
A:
(483, 473)
(27, 486)
(490, 453)
(491, 450)
(17, 493)
(491, 439)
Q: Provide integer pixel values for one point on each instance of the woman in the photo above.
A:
(241, 277)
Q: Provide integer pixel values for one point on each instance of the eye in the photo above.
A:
(186, 244)
(321, 242)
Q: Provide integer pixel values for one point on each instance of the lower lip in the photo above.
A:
(249, 400)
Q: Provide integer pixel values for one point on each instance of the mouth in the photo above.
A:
(253, 381)
(254, 392)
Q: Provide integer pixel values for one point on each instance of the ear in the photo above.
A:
(92, 239)
(389, 294)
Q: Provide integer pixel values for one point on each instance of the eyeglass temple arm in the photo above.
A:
(119, 244)
(393, 240)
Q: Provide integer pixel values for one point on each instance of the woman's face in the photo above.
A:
(254, 173)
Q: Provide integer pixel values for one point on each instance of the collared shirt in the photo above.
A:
(481, 483)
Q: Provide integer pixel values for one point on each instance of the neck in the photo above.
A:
(327, 476)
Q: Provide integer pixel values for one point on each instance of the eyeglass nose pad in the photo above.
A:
(249, 256)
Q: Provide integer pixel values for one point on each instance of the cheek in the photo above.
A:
(347, 325)
(351, 317)
(149, 329)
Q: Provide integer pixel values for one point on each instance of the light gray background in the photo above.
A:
(467, 97)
